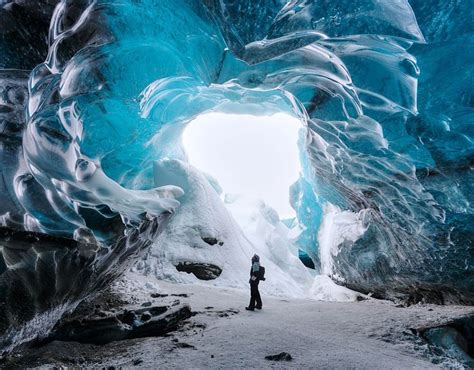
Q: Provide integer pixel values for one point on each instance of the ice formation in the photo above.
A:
(204, 231)
(94, 96)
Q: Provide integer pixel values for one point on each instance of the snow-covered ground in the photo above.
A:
(222, 334)
(241, 226)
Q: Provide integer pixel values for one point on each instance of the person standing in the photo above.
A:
(256, 274)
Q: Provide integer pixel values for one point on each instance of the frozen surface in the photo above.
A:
(364, 335)
(94, 92)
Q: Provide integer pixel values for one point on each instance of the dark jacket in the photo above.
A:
(256, 274)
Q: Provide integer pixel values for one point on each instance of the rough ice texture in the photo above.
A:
(387, 102)
(45, 276)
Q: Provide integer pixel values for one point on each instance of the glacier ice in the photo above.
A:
(93, 93)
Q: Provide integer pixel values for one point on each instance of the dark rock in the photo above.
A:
(203, 271)
(158, 295)
(137, 361)
(209, 308)
(180, 295)
(156, 321)
(155, 310)
(210, 240)
(185, 345)
(145, 316)
(282, 356)
(146, 304)
(129, 317)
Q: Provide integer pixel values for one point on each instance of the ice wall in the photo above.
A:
(389, 111)
(93, 92)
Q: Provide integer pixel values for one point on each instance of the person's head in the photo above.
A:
(255, 258)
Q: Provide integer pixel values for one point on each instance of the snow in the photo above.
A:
(364, 335)
(368, 334)
(324, 289)
(245, 225)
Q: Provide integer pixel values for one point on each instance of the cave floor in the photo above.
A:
(222, 334)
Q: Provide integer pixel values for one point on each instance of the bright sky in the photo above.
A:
(255, 156)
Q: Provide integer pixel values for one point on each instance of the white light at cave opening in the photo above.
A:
(254, 156)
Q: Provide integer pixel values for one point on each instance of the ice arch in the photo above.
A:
(254, 156)
(108, 91)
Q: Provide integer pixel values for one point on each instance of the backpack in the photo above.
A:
(261, 273)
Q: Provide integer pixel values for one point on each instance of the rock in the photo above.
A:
(282, 356)
(210, 240)
(129, 317)
(146, 304)
(158, 295)
(150, 322)
(203, 271)
(185, 345)
(145, 316)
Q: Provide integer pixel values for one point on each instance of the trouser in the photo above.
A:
(255, 300)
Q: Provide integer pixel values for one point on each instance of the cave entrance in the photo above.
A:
(252, 156)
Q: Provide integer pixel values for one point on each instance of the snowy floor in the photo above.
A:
(367, 334)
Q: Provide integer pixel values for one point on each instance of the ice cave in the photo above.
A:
(148, 143)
